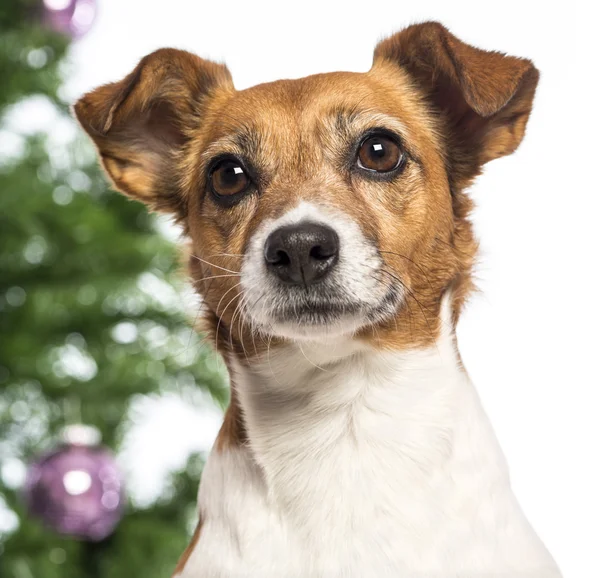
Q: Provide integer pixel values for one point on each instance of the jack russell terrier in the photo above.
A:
(331, 245)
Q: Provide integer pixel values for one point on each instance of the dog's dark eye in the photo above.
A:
(379, 153)
(229, 178)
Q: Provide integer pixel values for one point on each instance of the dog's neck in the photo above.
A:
(349, 461)
(316, 414)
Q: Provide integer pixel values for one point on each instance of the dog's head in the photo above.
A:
(322, 206)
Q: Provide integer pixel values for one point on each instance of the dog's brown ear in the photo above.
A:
(485, 98)
(142, 123)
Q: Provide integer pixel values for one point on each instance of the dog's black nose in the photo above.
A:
(302, 254)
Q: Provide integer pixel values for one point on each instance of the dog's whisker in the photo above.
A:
(220, 317)
(413, 263)
(411, 293)
(240, 255)
(309, 361)
(252, 326)
(214, 265)
(239, 312)
(236, 296)
(223, 276)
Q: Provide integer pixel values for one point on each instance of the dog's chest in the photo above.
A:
(356, 475)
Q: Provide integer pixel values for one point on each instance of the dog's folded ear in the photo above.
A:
(142, 123)
(484, 97)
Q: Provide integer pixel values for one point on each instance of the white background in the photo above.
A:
(530, 339)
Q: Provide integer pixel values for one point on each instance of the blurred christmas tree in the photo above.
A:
(89, 321)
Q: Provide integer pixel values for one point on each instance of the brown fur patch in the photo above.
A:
(233, 431)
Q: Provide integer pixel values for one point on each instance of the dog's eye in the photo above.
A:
(229, 178)
(379, 153)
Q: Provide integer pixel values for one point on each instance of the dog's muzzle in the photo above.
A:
(303, 253)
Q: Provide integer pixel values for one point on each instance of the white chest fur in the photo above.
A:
(363, 464)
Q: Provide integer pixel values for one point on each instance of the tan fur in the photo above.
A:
(456, 107)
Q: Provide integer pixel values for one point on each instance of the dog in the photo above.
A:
(332, 249)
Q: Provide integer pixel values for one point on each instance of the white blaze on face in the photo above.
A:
(355, 281)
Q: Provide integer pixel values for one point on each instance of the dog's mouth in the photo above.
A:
(317, 310)
(315, 315)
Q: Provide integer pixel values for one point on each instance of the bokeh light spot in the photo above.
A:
(84, 15)
(35, 250)
(124, 332)
(77, 482)
(57, 4)
(62, 195)
(110, 500)
(13, 473)
(37, 58)
(58, 556)
(15, 296)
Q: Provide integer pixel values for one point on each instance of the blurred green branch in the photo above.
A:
(78, 263)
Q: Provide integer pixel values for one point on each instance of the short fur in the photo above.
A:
(355, 447)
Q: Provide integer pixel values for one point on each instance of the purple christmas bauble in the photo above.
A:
(76, 490)
(72, 17)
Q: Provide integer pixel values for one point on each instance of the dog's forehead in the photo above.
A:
(306, 103)
(315, 113)
(302, 96)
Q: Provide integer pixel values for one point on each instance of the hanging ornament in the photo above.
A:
(77, 489)
(72, 17)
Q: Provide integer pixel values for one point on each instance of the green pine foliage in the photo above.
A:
(90, 317)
